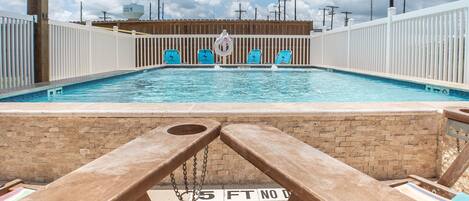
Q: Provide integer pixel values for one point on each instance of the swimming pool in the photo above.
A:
(255, 85)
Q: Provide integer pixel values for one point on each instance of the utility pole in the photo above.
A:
(371, 10)
(159, 8)
(295, 9)
(324, 17)
(391, 3)
(347, 13)
(255, 13)
(162, 10)
(81, 11)
(240, 12)
(332, 13)
(284, 10)
(104, 15)
(149, 12)
(279, 11)
(273, 12)
(404, 9)
(40, 8)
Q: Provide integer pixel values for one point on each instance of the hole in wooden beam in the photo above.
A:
(187, 129)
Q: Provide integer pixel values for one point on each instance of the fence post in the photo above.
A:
(311, 33)
(90, 43)
(391, 12)
(323, 44)
(349, 32)
(115, 29)
(466, 49)
(135, 63)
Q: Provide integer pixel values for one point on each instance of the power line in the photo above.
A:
(332, 13)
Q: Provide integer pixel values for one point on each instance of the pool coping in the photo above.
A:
(415, 80)
(220, 109)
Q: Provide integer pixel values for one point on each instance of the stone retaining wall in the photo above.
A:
(385, 146)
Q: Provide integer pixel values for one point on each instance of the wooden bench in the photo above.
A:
(306, 172)
(129, 171)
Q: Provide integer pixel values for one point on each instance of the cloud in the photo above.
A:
(68, 10)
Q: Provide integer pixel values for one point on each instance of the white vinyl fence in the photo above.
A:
(429, 43)
(16, 50)
(150, 48)
(79, 50)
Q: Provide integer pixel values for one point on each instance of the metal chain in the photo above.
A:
(175, 188)
(197, 186)
(184, 172)
(204, 169)
(194, 176)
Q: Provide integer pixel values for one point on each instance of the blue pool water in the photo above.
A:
(176, 85)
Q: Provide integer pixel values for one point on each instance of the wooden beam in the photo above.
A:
(40, 8)
(456, 169)
(303, 170)
(6, 187)
(434, 187)
(126, 173)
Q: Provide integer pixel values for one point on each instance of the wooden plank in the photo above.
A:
(434, 187)
(457, 114)
(6, 187)
(394, 183)
(129, 171)
(305, 171)
(456, 169)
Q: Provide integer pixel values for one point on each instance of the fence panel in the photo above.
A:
(429, 43)
(335, 49)
(150, 48)
(79, 50)
(16, 50)
(430, 46)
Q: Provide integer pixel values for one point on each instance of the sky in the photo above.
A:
(69, 10)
